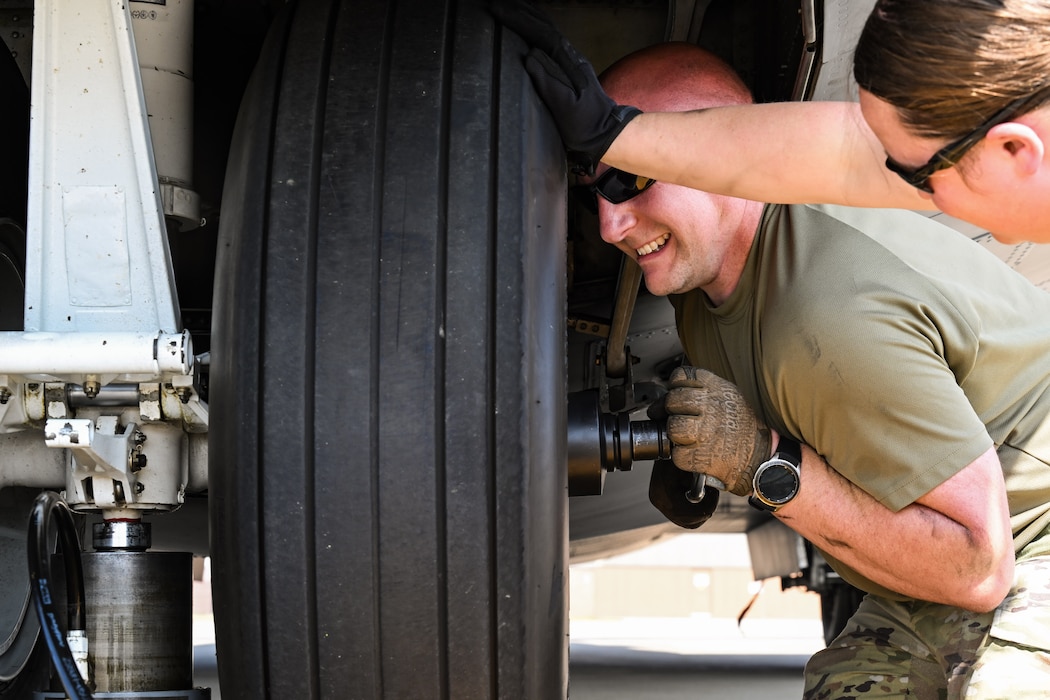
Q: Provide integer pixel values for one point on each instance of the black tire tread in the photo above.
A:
(388, 500)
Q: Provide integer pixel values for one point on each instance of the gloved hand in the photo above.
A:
(667, 488)
(587, 118)
(713, 429)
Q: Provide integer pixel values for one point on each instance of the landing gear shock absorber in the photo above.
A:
(140, 618)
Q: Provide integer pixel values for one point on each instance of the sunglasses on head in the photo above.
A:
(951, 154)
(615, 186)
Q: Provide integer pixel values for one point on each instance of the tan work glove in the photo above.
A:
(713, 429)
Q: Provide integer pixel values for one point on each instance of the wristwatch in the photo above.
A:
(777, 480)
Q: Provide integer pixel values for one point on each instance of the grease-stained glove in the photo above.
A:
(713, 429)
(587, 118)
(668, 486)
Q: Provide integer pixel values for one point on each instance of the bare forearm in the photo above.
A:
(783, 152)
(917, 551)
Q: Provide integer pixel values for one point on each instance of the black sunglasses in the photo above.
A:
(616, 186)
(951, 154)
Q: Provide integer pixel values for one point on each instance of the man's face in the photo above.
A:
(683, 239)
(680, 237)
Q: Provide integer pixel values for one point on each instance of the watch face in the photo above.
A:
(778, 482)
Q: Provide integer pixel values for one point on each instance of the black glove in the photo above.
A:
(587, 118)
(667, 488)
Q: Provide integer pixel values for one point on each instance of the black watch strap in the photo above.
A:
(791, 448)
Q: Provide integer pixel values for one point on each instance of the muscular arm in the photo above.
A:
(787, 152)
(952, 546)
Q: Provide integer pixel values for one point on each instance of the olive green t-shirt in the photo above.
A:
(896, 348)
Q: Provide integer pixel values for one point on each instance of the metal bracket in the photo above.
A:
(109, 469)
(103, 459)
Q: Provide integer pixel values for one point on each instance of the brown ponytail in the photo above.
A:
(948, 65)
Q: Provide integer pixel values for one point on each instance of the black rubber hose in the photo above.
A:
(46, 505)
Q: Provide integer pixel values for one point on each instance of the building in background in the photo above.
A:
(691, 575)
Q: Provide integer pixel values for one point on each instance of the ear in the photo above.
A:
(1021, 143)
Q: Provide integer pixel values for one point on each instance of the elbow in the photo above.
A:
(986, 567)
(983, 601)
(984, 593)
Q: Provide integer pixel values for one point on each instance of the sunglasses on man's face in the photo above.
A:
(615, 186)
(951, 154)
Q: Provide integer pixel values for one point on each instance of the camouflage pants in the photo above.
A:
(923, 650)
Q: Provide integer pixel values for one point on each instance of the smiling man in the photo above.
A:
(904, 376)
(707, 236)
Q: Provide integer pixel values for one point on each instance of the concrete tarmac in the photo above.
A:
(624, 673)
(697, 658)
(663, 659)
